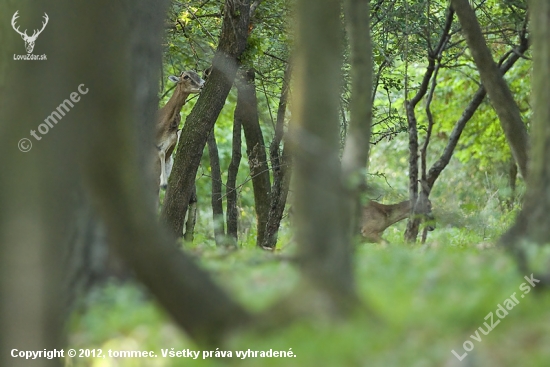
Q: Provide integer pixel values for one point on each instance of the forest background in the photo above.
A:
(271, 168)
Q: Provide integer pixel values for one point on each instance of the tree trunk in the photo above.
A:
(217, 202)
(255, 149)
(33, 204)
(356, 150)
(189, 233)
(201, 120)
(322, 232)
(281, 166)
(59, 243)
(97, 143)
(420, 202)
(232, 171)
(533, 222)
(495, 85)
(512, 181)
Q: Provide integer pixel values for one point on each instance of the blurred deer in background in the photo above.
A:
(377, 217)
(168, 119)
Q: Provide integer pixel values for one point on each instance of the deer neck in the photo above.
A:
(176, 102)
(399, 211)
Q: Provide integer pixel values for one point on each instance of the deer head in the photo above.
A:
(29, 40)
(188, 82)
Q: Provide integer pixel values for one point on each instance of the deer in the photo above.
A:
(29, 40)
(168, 120)
(377, 217)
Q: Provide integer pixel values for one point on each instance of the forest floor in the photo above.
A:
(431, 299)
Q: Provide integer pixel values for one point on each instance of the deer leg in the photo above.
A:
(169, 164)
(374, 237)
(163, 179)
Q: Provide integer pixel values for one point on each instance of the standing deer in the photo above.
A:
(377, 217)
(29, 40)
(168, 119)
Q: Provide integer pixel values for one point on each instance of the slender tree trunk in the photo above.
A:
(533, 222)
(201, 120)
(279, 195)
(189, 233)
(512, 181)
(232, 171)
(217, 203)
(281, 166)
(412, 225)
(499, 92)
(322, 232)
(255, 149)
(420, 202)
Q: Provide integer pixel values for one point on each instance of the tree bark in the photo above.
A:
(420, 202)
(33, 197)
(356, 150)
(499, 92)
(512, 181)
(533, 223)
(255, 149)
(232, 171)
(322, 232)
(217, 202)
(201, 120)
(68, 252)
(189, 233)
(38, 186)
(281, 167)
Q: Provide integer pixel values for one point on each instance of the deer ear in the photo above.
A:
(173, 78)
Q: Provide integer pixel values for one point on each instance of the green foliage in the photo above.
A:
(428, 301)
(190, 43)
(403, 33)
(401, 61)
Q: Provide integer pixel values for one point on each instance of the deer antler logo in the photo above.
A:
(29, 40)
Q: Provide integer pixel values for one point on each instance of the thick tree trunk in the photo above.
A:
(255, 149)
(217, 202)
(33, 205)
(533, 222)
(322, 232)
(499, 92)
(97, 142)
(70, 250)
(201, 120)
(356, 151)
